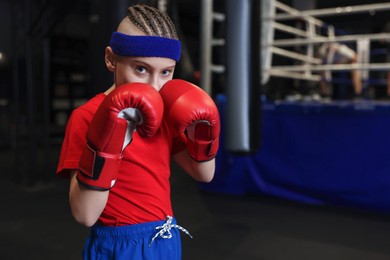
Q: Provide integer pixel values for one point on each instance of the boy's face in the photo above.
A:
(154, 71)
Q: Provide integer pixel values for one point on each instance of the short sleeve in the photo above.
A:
(73, 143)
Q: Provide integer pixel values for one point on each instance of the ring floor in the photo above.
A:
(36, 224)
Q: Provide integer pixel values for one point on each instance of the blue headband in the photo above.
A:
(145, 46)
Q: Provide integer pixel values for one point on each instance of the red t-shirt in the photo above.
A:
(142, 189)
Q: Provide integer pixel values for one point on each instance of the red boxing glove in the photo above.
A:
(192, 114)
(130, 107)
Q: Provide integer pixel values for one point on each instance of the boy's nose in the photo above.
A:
(154, 82)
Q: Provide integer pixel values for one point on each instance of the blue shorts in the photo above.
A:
(151, 240)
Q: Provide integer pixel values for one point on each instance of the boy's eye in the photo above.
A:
(141, 69)
(166, 72)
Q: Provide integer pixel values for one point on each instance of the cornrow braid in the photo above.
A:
(152, 21)
(149, 20)
(158, 28)
(135, 19)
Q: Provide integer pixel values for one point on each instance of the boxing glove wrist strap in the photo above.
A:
(98, 170)
(200, 144)
(201, 150)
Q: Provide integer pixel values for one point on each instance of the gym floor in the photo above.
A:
(36, 224)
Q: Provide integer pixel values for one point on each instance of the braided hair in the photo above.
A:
(152, 21)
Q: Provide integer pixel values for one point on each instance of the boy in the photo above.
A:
(118, 146)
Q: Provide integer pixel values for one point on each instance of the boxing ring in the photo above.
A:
(333, 153)
(310, 65)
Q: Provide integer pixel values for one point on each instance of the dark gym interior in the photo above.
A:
(52, 60)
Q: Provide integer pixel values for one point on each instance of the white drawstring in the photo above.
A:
(165, 230)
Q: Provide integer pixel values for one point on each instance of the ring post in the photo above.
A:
(243, 76)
